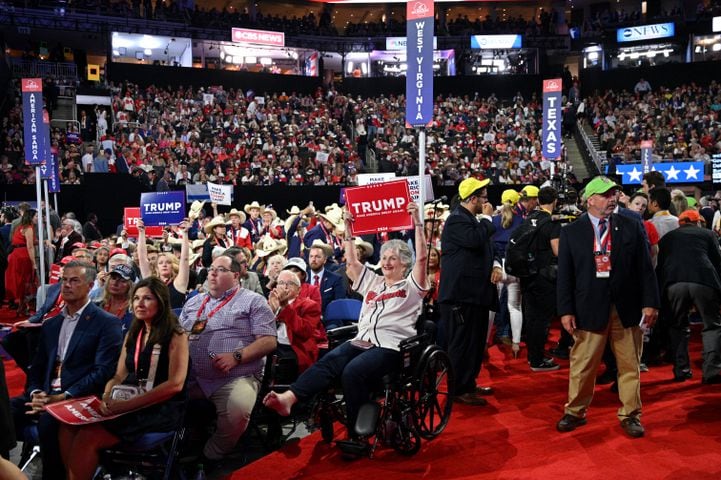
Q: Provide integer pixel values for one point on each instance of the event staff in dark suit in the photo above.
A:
(466, 291)
(65, 244)
(606, 283)
(330, 284)
(689, 273)
(76, 356)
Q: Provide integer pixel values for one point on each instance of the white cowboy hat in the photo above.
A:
(237, 213)
(332, 206)
(294, 210)
(218, 221)
(366, 246)
(251, 206)
(270, 210)
(197, 244)
(268, 245)
(327, 249)
(195, 208)
(335, 217)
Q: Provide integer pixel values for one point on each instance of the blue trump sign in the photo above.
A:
(162, 208)
(673, 172)
(419, 58)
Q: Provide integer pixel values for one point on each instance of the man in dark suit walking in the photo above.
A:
(606, 283)
(77, 354)
(469, 268)
(689, 273)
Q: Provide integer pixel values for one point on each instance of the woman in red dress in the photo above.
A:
(20, 278)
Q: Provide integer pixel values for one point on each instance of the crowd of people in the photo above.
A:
(184, 136)
(195, 313)
(683, 122)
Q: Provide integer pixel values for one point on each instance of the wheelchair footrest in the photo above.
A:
(353, 449)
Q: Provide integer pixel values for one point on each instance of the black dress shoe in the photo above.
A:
(683, 376)
(715, 380)
(568, 423)
(484, 390)
(632, 426)
(471, 398)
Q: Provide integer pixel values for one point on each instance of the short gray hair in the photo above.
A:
(402, 250)
(89, 271)
(292, 277)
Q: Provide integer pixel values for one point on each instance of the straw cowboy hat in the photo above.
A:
(334, 216)
(237, 213)
(327, 249)
(294, 210)
(366, 246)
(197, 244)
(193, 257)
(268, 245)
(218, 221)
(270, 210)
(332, 206)
(195, 208)
(250, 206)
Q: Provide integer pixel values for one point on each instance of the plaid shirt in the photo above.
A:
(244, 318)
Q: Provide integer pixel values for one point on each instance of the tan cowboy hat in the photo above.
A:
(294, 210)
(193, 257)
(270, 210)
(289, 222)
(195, 208)
(327, 249)
(238, 213)
(268, 245)
(334, 216)
(197, 244)
(250, 206)
(366, 246)
(218, 221)
(332, 206)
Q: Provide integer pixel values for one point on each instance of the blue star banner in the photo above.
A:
(673, 172)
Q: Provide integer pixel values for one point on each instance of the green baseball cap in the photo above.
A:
(691, 201)
(599, 186)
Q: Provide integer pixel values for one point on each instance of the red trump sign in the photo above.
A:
(379, 207)
(131, 217)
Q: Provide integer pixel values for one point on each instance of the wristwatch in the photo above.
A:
(238, 355)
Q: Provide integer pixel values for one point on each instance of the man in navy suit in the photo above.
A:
(329, 283)
(76, 356)
(606, 283)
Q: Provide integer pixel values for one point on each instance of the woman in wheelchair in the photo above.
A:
(391, 305)
(148, 386)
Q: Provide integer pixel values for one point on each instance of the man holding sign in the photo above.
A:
(469, 269)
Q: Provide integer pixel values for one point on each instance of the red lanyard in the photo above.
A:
(120, 311)
(215, 310)
(138, 346)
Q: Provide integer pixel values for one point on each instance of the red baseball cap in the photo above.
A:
(66, 260)
(115, 251)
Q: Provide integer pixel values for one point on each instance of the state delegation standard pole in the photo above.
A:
(47, 218)
(41, 233)
(421, 169)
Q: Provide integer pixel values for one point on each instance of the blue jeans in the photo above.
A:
(360, 371)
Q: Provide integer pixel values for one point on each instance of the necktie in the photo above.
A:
(316, 280)
(601, 227)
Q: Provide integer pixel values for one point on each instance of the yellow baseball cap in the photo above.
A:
(510, 196)
(470, 185)
(530, 191)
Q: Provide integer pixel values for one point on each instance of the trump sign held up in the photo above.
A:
(130, 221)
(379, 207)
(419, 55)
(551, 134)
(220, 194)
(162, 208)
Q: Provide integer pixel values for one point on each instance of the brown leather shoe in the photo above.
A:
(471, 399)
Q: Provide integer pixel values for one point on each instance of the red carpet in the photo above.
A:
(514, 437)
(13, 375)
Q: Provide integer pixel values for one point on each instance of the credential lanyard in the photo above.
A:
(215, 310)
(602, 244)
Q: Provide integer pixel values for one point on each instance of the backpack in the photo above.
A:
(521, 249)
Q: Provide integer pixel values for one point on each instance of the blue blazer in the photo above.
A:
(91, 358)
(51, 296)
(331, 287)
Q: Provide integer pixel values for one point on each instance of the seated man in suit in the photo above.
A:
(330, 284)
(76, 356)
(299, 325)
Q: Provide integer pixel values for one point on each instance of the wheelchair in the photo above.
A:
(412, 405)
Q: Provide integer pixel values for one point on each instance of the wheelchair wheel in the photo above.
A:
(434, 399)
(326, 426)
(405, 438)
